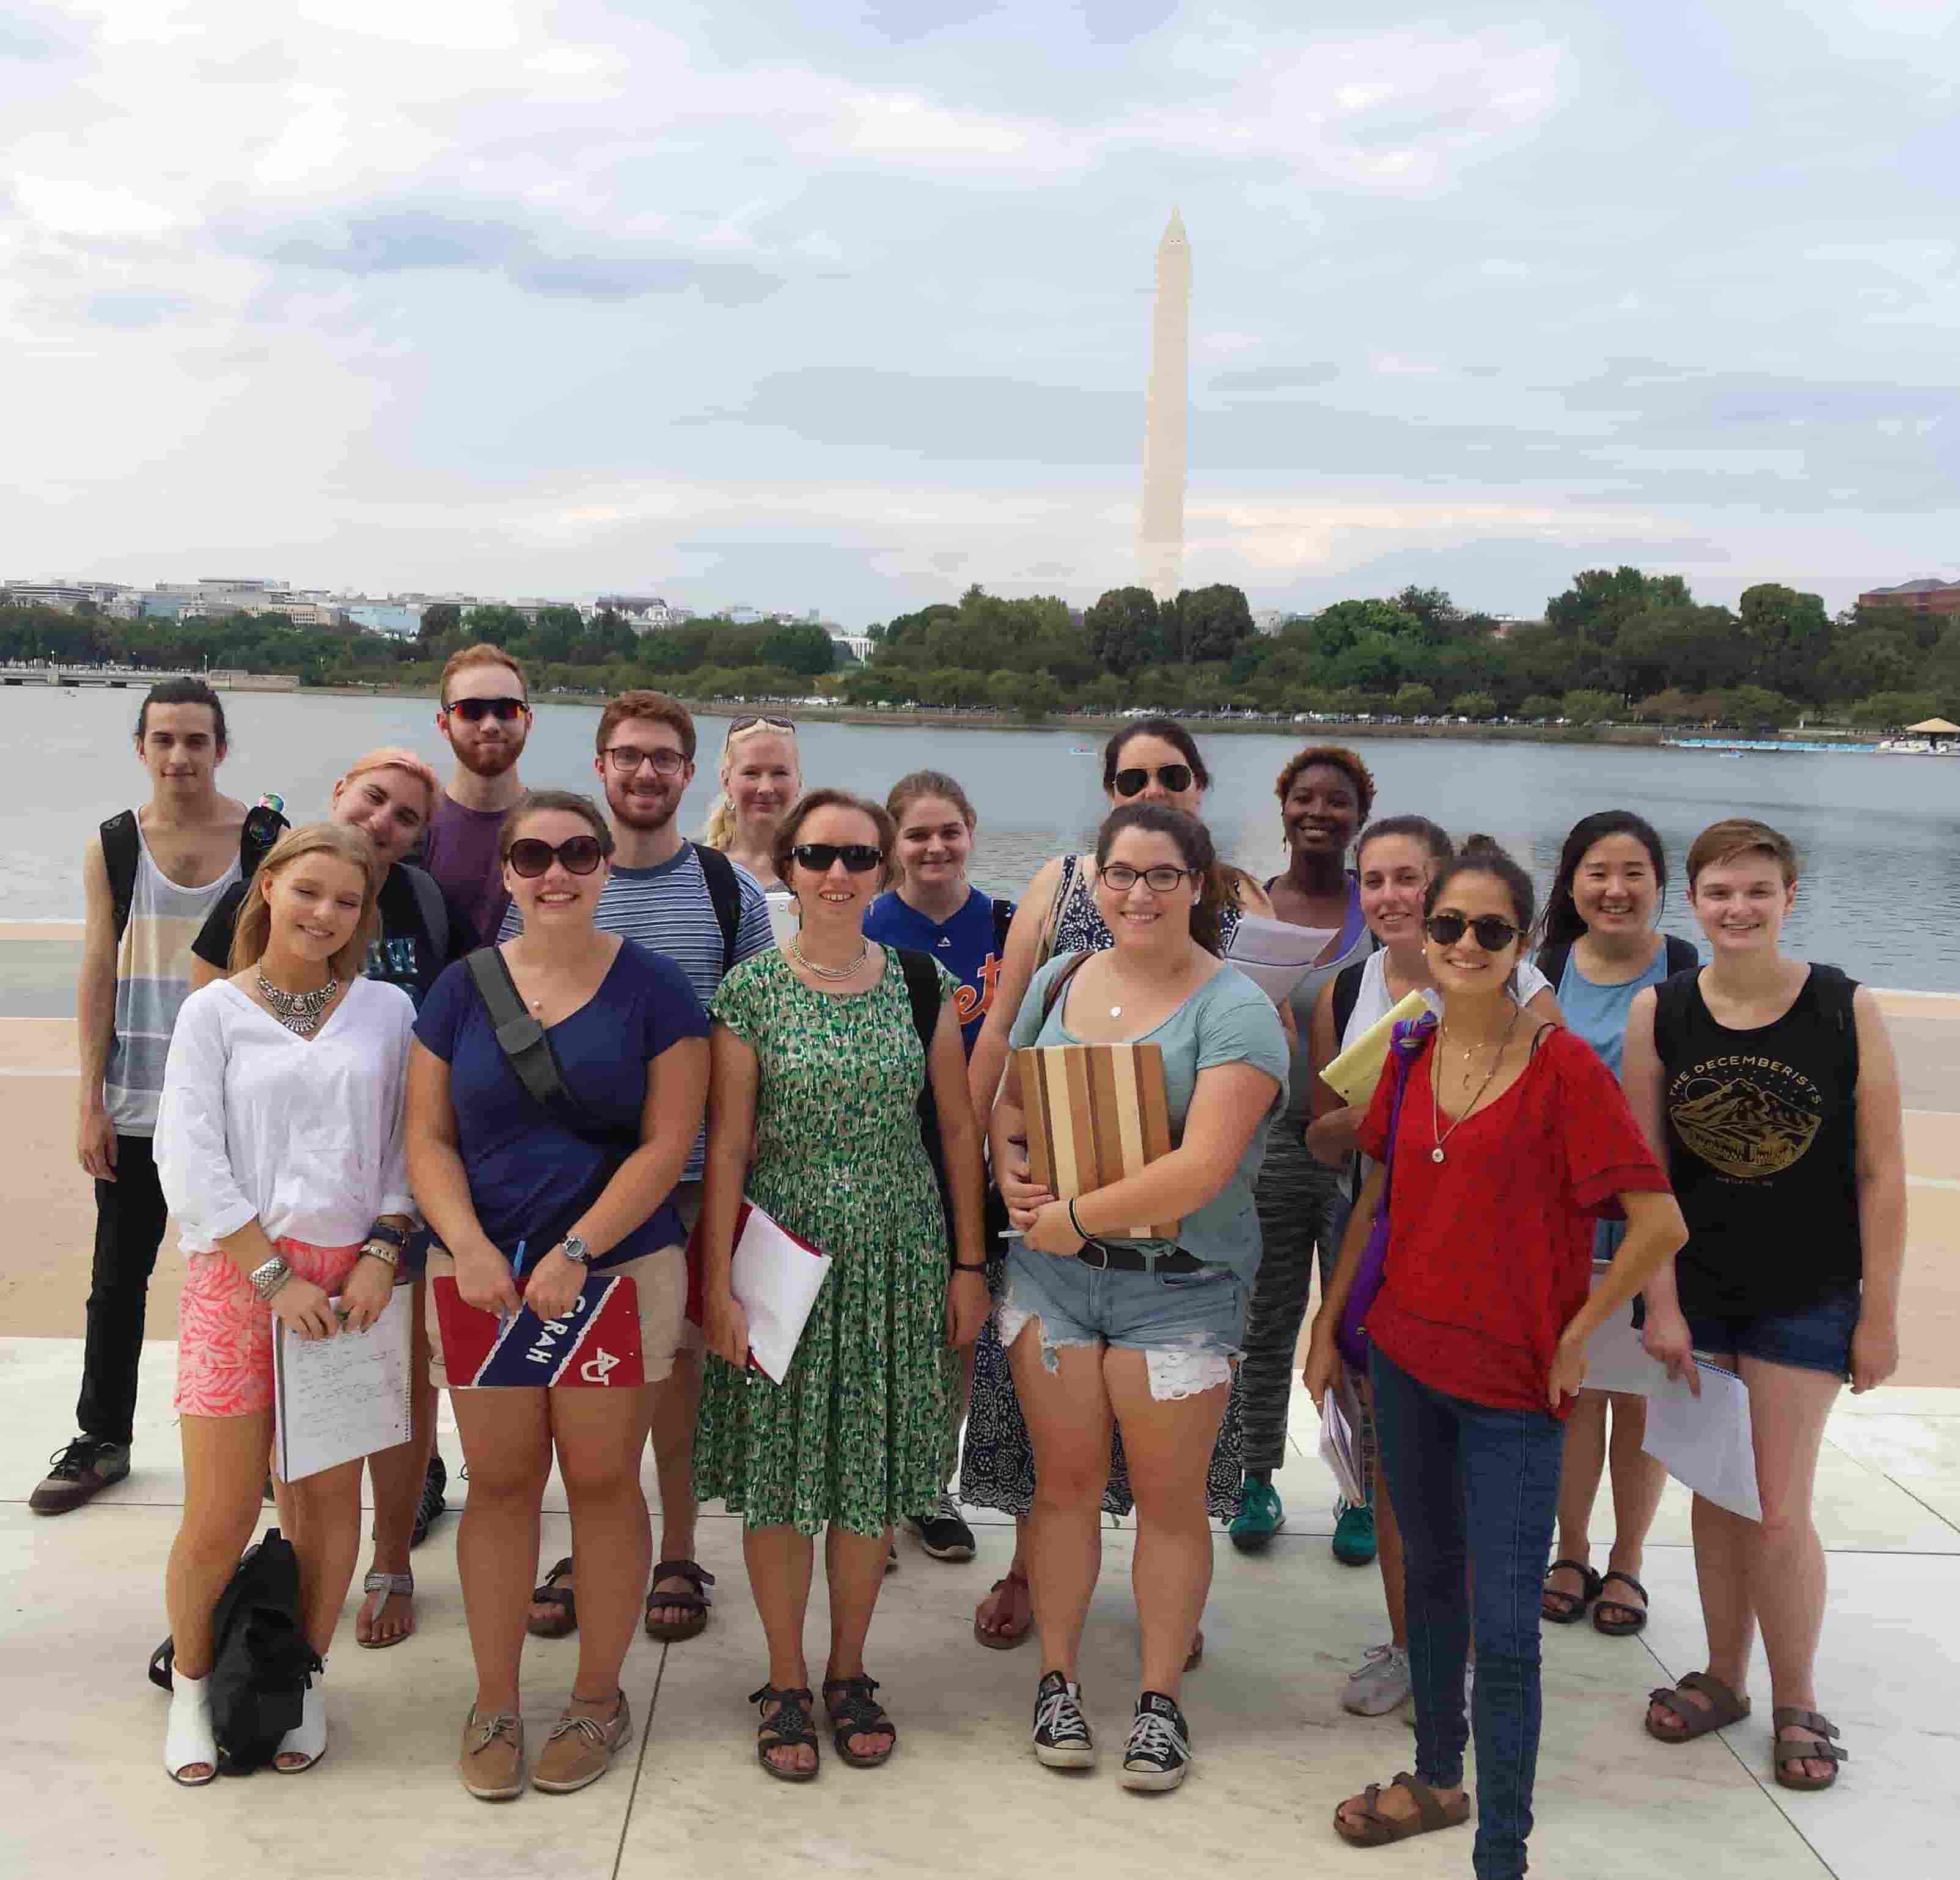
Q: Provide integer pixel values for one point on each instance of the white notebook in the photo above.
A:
(339, 1398)
(775, 1278)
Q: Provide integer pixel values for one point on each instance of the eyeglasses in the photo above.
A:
(578, 855)
(859, 857)
(1160, 879)
(1175, 777)
(1492, 932)
(627, 758)
(472, 711)
(755, 718)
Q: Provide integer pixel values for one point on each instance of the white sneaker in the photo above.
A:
(1379, 1683)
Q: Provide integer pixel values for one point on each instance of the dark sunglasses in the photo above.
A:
(1175, 777)
(1492, 932)
(472, 711)
(859, 857)
(756, 718)
(578, 855)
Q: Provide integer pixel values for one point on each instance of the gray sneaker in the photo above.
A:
(81, 1472)
(1379, 1683)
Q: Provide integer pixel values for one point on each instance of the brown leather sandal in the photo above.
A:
(1724, 1708)
(1567, 1608)
(694, 1604)
(854, 1710)
(1788, 1754)
(1007, 1641)
(1374, 1829)
(1637, 1618)
(552, 1594)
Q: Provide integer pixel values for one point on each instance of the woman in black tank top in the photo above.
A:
(1772, 1086)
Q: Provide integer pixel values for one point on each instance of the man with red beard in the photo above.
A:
(484, 712)
(704, 913)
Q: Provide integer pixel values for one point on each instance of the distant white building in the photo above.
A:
(399, 619)
(112, 598)
(644, 613)
(857, 644)
(1268, 620)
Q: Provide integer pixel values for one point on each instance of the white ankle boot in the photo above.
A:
(188, 1738)
(308, 1737)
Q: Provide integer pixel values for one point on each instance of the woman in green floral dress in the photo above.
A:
(816, 1058)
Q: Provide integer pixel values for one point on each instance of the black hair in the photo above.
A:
(1170, 731)
(1481, 855)
(1563, 925)
(184, 690)
(1194, 843)
(1432, 835)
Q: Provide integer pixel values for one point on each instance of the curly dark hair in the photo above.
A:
(1336, 757)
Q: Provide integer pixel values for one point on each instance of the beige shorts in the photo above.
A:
(660, 1279)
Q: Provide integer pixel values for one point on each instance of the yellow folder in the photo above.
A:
(1353, 1076)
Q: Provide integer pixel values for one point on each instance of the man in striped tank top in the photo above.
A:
(135, 974)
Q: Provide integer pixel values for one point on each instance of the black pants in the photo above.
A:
(129, 1215)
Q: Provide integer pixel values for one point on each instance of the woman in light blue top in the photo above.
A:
(1602, 948)
(1104, 1328)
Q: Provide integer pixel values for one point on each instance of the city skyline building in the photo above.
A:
(1160, 525)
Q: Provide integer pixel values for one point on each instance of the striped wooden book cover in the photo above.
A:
(1095, 1114)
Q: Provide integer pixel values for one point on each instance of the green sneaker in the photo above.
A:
(1260, 1517)
(1353, 1535)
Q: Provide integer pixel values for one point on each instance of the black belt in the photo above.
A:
(1099, 1256)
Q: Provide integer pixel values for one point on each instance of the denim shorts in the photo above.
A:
(1816, 1338)
(1189, 1326)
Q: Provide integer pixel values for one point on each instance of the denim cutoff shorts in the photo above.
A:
(1816, 1338)
(1191, 1327)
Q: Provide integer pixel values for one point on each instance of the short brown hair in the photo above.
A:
(484, 653)
(1336, 757)
(808, 804)
(656, 707)
(570, 802)
(1736, 835)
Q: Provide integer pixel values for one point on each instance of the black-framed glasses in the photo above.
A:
(859, 857)
(754, 718)
(627, 758)
(577, 855)
(506, 709)
(1491, 932)
(1161, 879)
(1175, 777)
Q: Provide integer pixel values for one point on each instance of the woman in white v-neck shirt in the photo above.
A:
(279, 1147)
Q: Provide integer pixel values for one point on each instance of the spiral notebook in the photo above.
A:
(336, 1400)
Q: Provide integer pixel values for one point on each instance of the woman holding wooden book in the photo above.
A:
(1125, 1302)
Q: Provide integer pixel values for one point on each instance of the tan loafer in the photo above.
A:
(491, 1764)
(580, 1749)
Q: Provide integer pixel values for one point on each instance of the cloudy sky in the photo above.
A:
(846, 306)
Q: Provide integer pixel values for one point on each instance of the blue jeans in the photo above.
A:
(1474, 1491)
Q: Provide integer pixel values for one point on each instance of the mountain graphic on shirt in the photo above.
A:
(1740, 1129)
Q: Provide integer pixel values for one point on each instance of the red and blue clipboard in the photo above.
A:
(595, 1345)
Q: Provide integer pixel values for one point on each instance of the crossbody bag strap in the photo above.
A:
(527, 1048)
(1052, 998)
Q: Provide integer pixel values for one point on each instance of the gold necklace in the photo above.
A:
(1435, 1078)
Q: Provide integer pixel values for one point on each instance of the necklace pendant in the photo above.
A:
(1436, 1154)
(1115, 1011)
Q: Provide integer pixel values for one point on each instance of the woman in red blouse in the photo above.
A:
(1513, 1138)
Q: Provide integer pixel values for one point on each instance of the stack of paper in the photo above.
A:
(1340, 1446)
(1353, 1076)
(1275, 954)
(775, 1278)
(1706, 1442)
(339, 1398)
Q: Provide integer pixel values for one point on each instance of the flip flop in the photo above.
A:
(1724, 1708)
(1619, 1628)
(388, 1584)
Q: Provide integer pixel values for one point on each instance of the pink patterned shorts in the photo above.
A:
(224, 1336)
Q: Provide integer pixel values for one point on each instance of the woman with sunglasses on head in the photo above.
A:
(390, 796)
(1105, 1328)
(1153, 761)
(1772, 1087)
(1510, 1139)
(1601, 948)
(818, 1066)
(933, 909)
(279, 1148)
(761, 777)
(525, 1201)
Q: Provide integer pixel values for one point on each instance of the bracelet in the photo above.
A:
(380, 1250)
(266, 1279)
(1076, 1224)
(963, 1266)
(395, 1237)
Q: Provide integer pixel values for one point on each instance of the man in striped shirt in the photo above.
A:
(704, 913)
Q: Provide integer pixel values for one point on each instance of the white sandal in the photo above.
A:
(189, 1738)
(308, 1737)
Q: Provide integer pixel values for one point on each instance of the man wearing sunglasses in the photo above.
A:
(484, 710)
(686, 901)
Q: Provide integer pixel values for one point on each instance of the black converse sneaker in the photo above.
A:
(1062, 1732)
(1159, 1755)
(943, 1533)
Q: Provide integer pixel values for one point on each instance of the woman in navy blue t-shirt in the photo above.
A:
(523, 1204)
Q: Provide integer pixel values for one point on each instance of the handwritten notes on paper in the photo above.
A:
(339, 1398)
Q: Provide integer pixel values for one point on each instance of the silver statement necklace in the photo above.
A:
(1436, 1078)
(298, 1012)
(828, 972)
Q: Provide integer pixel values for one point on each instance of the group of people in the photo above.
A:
(1586, 1122)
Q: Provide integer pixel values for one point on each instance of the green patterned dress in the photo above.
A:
(861, 1433)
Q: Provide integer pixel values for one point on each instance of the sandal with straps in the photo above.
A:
(1568, 1608)
(694, 1604)
(565, 1598)
(1006, 1641)
(785, 1727)
(855, 1712)
(1619, 1628)
(1723, 1708)
(387, 1585)
(1788, 1754)
(1374, 1829)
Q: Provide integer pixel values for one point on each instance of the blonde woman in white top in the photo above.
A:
(279, 1147)
(761, 778)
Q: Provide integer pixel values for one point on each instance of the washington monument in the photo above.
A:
(1160, 535)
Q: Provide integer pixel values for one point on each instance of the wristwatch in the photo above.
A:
(395, 1237)
(266, 1279)
(574, 1249)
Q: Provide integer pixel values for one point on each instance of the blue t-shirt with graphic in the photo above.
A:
(968, 946)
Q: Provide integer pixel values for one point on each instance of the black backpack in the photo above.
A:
(922, 988)
(261, 1662)
(724, 893)
(263, 827)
